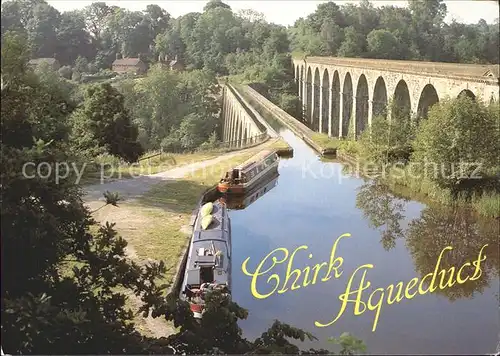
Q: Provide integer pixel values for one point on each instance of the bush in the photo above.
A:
(76, 76)
(65, 72)
(459, 136)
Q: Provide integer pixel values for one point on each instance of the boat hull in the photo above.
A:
(245, 188)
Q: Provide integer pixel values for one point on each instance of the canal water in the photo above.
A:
(313, 203)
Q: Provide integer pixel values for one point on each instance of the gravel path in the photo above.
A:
(132, 188)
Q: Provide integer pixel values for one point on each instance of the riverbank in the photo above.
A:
(403, 182)
(320, 142)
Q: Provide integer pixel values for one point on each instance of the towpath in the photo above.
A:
(133, 188)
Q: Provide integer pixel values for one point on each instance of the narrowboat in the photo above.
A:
(208, 265)
(246, 176)
(238, 202)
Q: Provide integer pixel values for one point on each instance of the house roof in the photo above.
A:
(41, 60)
(127, 61)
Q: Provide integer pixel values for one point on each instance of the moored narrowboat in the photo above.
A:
(243, 178)
(208, 265)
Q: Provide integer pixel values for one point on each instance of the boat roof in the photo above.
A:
(216, 236)
(254, 159)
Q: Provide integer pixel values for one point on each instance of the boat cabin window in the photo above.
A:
(206, 275)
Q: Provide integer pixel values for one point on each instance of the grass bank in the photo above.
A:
(326, 142)
(402, 181)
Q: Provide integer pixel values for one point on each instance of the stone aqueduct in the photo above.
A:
(240, 128)
(339, 92)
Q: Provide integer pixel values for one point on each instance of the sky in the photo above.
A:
(286, 12)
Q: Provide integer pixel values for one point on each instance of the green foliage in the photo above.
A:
(15, 56)
(383, 44)
(68, 290)
(55, 84)
(416, 32)
(81, 64)
(449, 137)
(386, 141)
(65, 72)
(350, 345)
(176, 111)
(103, 125)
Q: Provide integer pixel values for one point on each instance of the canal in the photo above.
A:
(313, 203)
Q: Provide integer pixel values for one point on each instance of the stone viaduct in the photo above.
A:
(342, 94)
(240, 128)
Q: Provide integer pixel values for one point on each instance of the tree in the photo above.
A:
(81, 64)
(96, 16)
(103, 123)
(73, 38)
(427, 21)
(42, 34)
(251, 15)
(383, 44)
(332, 36)
(11, 17)
(353, 44)
(447, 141)
(215, 4)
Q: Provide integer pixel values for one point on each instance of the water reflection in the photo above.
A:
(439, 227)
(383, 210)
(310, 207)
(436, 228)
(239, 202)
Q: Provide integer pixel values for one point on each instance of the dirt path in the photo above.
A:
(130, 189)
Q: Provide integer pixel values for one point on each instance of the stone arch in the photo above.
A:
(428, 97)
(335, 114)
(361, 105)
(347, 97)
(245, 135)
(325, 83)
(308, 99)
(316, 105)
(301, 83)
(401, 108)
(379, 100)
(468, 93)
(297, 77)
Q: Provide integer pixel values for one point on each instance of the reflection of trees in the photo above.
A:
(440, 227)
(383, 210)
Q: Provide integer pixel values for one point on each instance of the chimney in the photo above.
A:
(118, 55)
